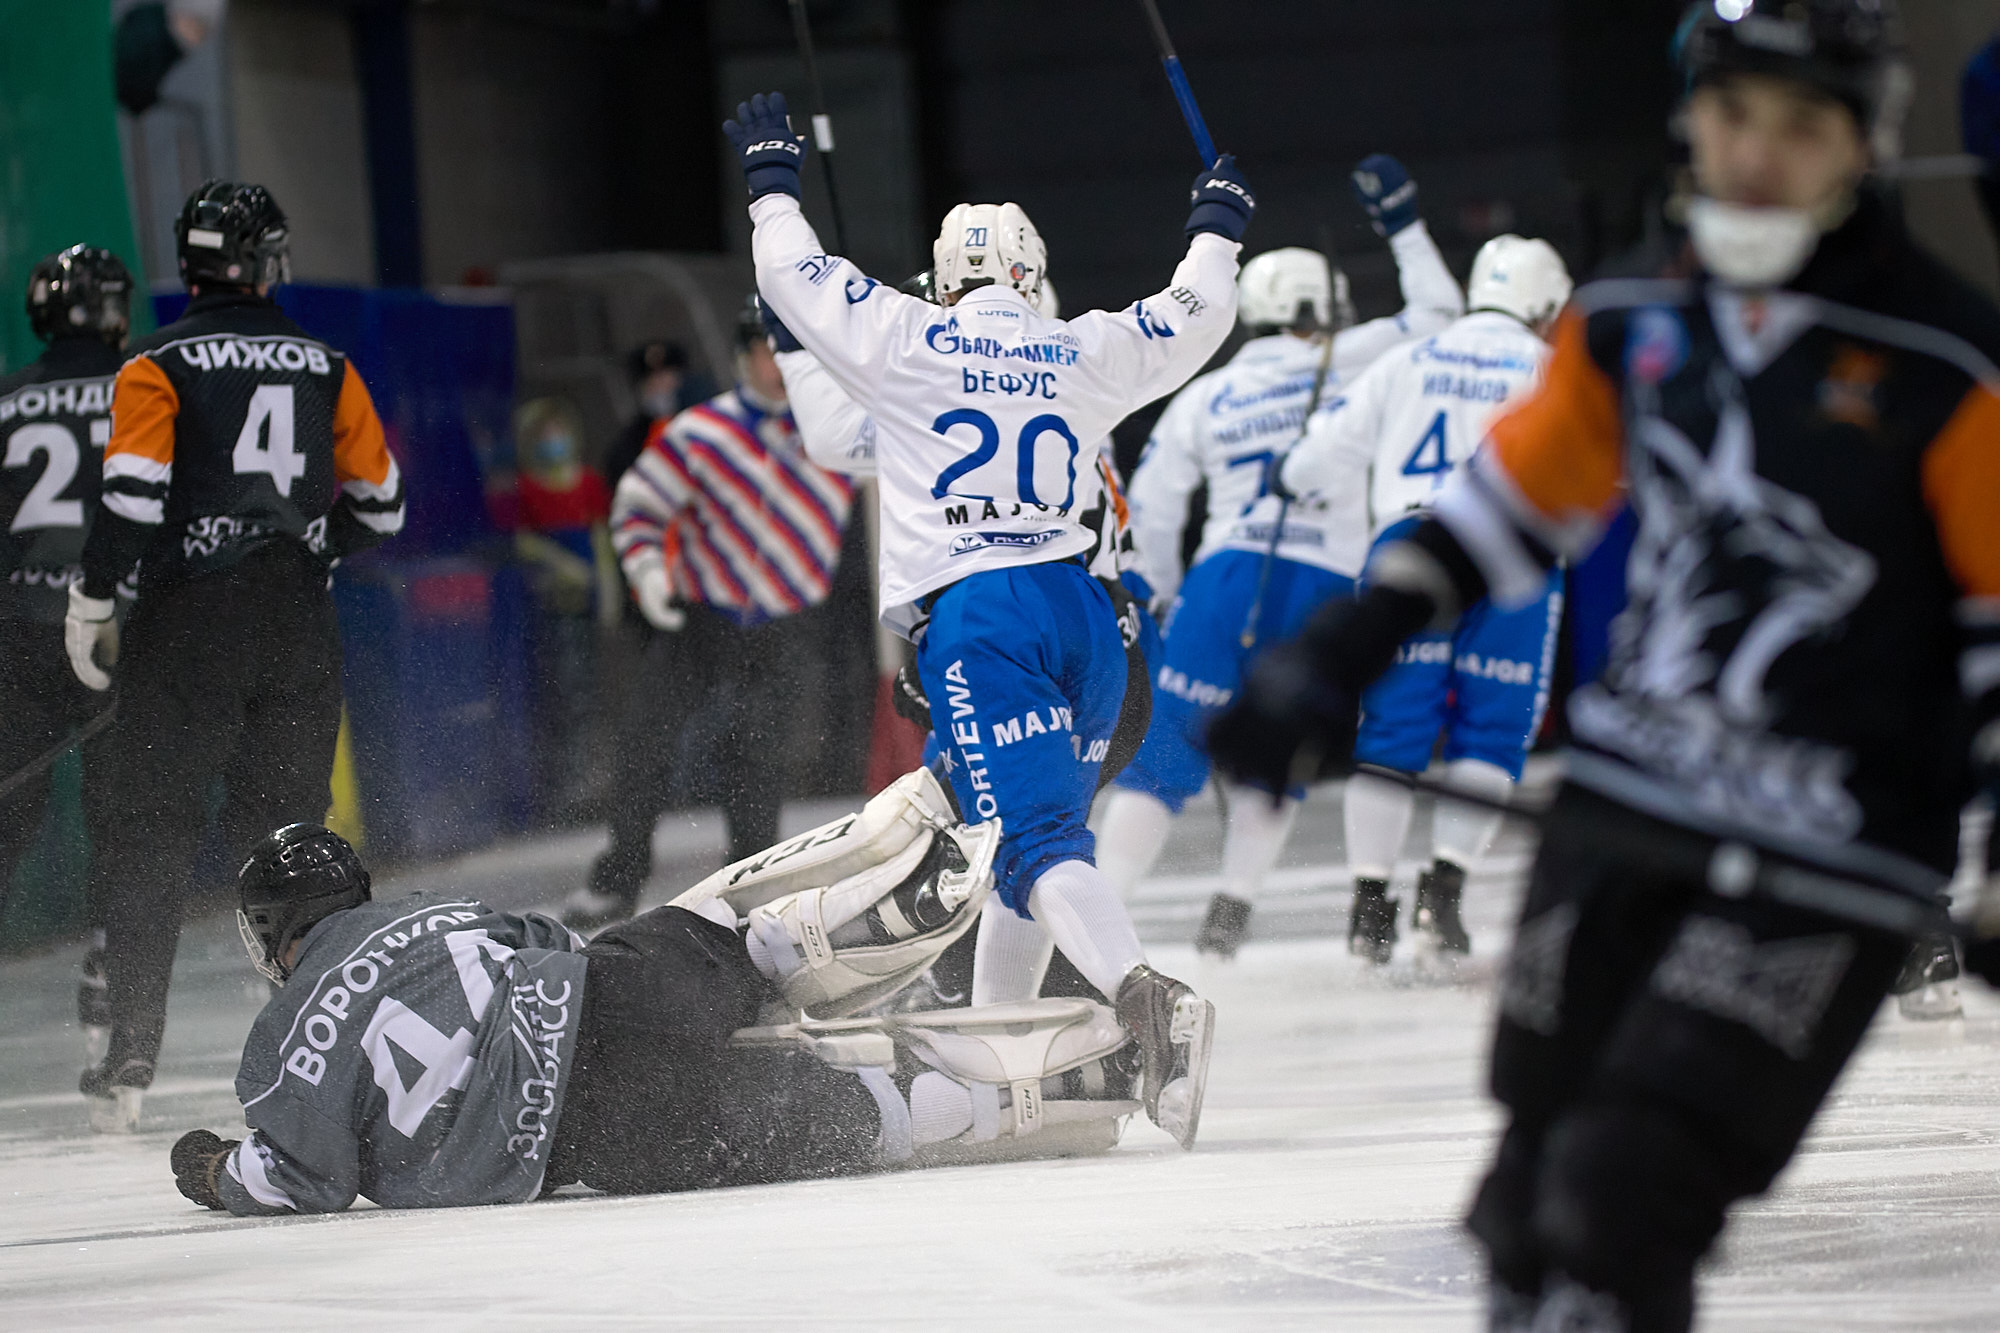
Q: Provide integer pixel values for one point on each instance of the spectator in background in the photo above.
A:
(663, 386)
(726, 533)
(1979, 123)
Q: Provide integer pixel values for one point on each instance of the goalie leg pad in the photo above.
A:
(1045, 1058)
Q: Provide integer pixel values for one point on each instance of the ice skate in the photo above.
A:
(93, 1004)
(1224, 929)
(1434, 918)
(1174, 1028)
(1371, 923)
(1928, 987)
(116, 1086)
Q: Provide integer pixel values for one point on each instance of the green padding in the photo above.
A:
(47, 896)
(62, 181)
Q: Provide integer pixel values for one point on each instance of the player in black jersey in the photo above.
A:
(55, 415)
(245, 458)
(1803, 409)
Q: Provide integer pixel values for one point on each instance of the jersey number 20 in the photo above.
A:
(266, 443)
(1024, 454)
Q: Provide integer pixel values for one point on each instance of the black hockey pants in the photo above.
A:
(236, 676)
(658, 1100)
(41, 701)
(1661, 1050)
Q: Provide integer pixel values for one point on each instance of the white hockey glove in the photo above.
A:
(90, 633)
(646, 571)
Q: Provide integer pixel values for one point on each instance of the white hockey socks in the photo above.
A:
(1010, 957)
(1377, 815)
(1464, 832)
(1134, 829)
(1255, 840)
(1083, 914)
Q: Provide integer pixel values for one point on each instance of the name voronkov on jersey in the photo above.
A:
(231, 353)
(77, 398)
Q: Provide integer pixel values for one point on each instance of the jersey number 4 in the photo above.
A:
(1432, 457)
(266, 443)
(441, 1063)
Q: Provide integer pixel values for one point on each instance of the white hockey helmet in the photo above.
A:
(1278, 286)
(981, 244)
(1520, 277)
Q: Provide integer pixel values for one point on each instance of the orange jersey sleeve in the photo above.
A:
(1562, 447)
(143, 408)
(1962, 487)
(360, 451)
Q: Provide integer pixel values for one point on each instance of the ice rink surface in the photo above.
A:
(1346, 1128)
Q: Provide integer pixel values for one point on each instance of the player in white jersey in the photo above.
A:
(1404, 427)
(1224, 429)
(981, 411)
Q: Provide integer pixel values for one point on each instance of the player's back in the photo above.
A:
(1435, 402)
(55, 415)
(417, 1055)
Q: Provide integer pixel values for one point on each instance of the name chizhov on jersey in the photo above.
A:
(1227, 425)
(419, 1056)
(55, 416)
(988, 416)
(1417, 415)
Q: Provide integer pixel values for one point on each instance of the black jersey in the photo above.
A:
(55, 417)
(1815, 472)
(232, 428)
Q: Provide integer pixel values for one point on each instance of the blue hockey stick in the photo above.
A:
(1182, 93)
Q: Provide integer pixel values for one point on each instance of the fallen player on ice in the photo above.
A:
(431, 1052)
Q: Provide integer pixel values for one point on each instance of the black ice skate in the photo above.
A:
(1174, 1028)
(1371, 923)
(1434, 916)
(93, 1004)
(1223, 930)
(117, 1085)
(1928, 986)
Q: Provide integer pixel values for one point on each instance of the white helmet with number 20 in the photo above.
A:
(1519, 277)
(1278, 283)
(989, 243)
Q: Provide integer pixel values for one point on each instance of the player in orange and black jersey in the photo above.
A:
(245, 458)
(55, 415)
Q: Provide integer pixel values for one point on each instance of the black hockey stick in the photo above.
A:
(1734, 869)
(822, 122)
(1177, 78)
(20, 777)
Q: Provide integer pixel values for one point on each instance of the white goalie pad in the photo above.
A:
(853, 943)
(908, 809)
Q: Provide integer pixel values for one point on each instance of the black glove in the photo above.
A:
(1222, 202)
(1294, 719)
(909, 698)
(774, 328)
(197, 1156)
(772, 154)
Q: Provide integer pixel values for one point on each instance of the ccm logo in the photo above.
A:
(1217, 183)
(784, 145)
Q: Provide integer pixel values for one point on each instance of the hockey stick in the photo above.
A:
(19, 777)
(1177, 77)
(822, 122)
(1734, 869)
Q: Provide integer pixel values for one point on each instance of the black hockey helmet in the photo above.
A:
(749, 323)
(231, 235)
(295, 878)
(652, 357)
(1851, 50)
(81, 292)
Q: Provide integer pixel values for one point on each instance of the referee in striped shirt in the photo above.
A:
(726, 533)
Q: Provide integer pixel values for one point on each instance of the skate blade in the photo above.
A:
(118, 1113)
(1927, 1004)
(1178, 1108)
(96, 1044)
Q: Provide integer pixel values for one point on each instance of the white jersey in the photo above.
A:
(988, 417)
(1225, 427)
(1416, 416)
(840, 437)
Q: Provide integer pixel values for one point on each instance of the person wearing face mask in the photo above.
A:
(726, 532)
(1761, 806)
(662, 384)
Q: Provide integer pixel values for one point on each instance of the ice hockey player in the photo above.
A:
(245, 458)
(1806, 411)
(431, 1052)
(727, 533)
(1403, 429)
(1224, 429)
(982, 411)
(55, 415)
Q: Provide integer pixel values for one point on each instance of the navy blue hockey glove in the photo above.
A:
(1386, 192)
(1222, 202)
(196, 1158)
(774, 328)
(772, 154)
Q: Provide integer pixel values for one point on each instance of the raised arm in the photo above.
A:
(1431, 296)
